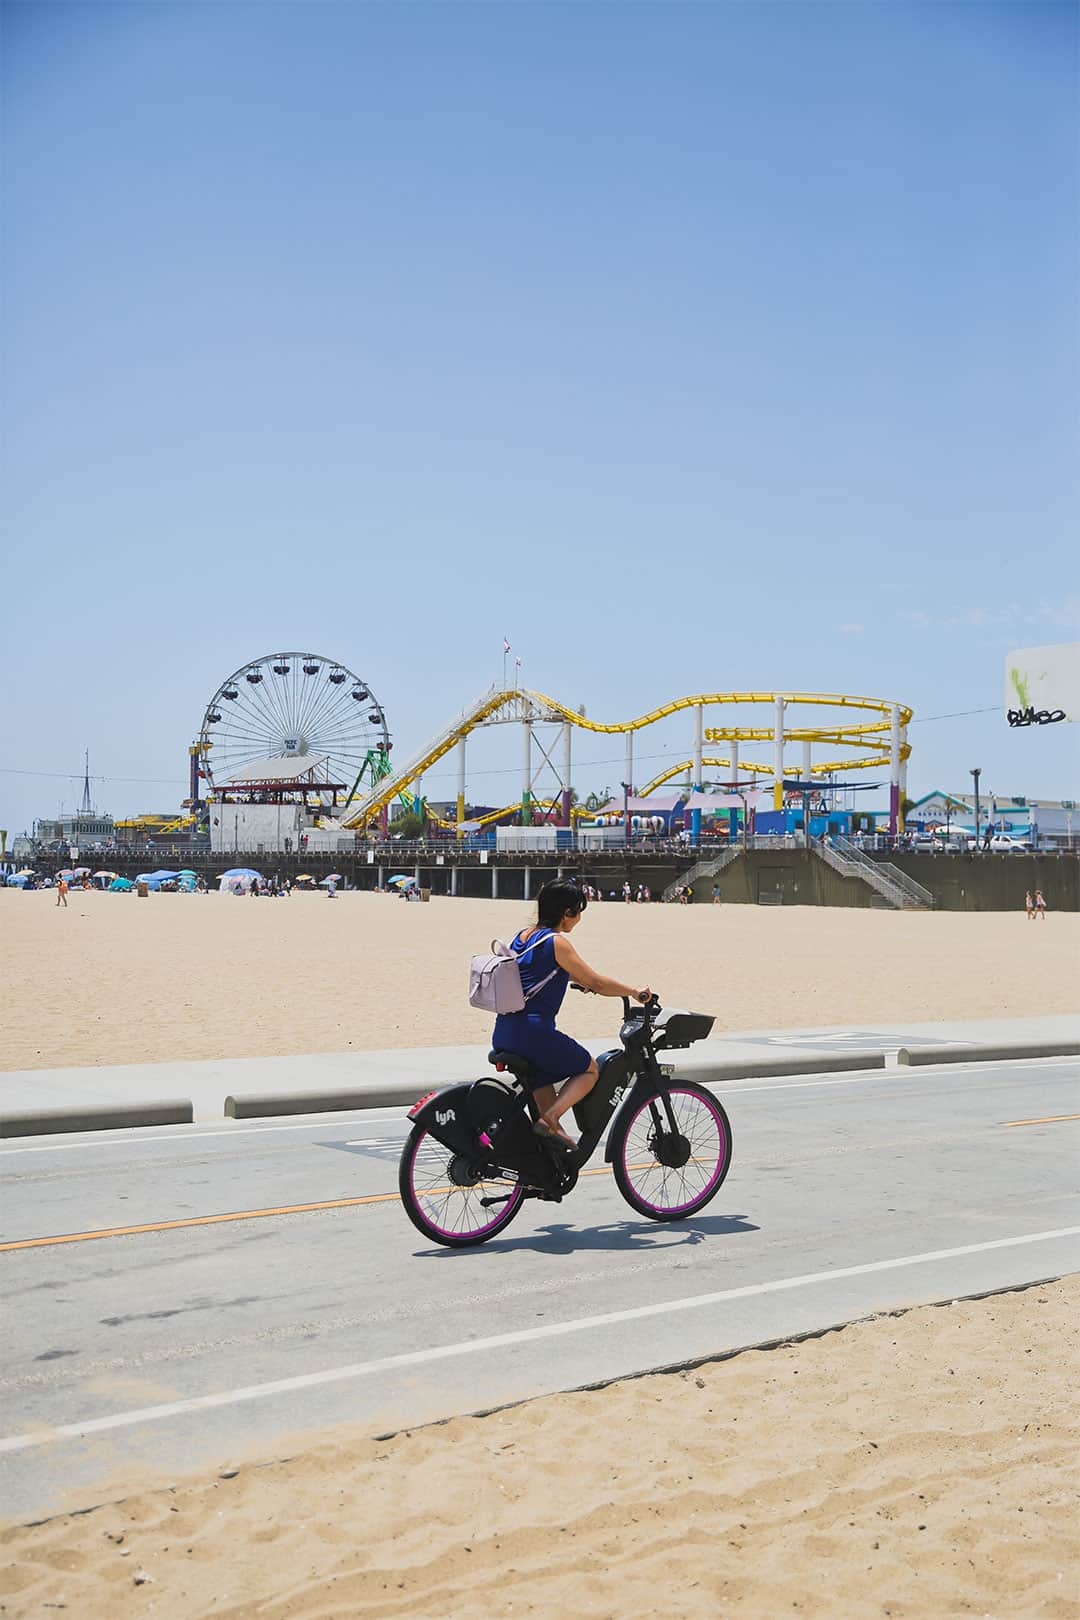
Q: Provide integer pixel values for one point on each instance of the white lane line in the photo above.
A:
(384, 1114)
(501, 1341)
(737, 1088)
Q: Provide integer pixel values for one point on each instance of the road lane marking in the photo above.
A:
(501, 1341)
(245, 1215)
(1047, 1119)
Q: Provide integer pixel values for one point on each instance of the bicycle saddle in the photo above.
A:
(513, 1062)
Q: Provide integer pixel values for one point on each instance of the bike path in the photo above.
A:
(841, 1186)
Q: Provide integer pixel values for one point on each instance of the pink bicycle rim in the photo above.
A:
(723, 1150)
(498, 1215)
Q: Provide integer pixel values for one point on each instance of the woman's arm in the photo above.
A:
(599, 983)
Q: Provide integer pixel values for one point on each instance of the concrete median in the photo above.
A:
(403, 1093)
(107, 1117)
(1002, 1052)
(380, 1094)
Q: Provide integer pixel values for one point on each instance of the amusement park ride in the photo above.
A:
(864, 744)
(314, 713)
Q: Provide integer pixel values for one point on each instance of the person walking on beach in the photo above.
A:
(61, 891)
(716, 894)
(1029, 904)
(1040, 905)
(547, 963)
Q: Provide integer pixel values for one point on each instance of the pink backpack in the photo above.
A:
(495, 978)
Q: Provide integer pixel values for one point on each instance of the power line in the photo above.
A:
(78, 776)
(958, 714)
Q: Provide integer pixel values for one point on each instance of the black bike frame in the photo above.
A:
(449, 1115)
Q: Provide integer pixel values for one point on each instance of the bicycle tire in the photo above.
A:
(629, 1142)
(439, 1225)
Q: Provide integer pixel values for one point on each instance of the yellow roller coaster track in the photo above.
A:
(521, 703)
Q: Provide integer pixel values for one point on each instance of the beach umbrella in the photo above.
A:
(187, 872)
(82, 871)
(66, 873)
(333, 877)
(25, 871)
(104, 874)
(18, 879)
(304, 877)
(403, 877)
(241, 871)
(121, 883)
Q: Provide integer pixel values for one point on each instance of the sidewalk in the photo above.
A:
(208, 1083)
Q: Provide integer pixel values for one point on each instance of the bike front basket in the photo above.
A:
(679, 1029)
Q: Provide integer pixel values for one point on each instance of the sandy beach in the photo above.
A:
(917, 1465)
(115, 979)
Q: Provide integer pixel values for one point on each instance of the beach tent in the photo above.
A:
(121, 885)
(236, 882)
(241, 872)
(18, 880)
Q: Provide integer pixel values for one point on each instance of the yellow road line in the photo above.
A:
(250, 1215)
(1049, 1119)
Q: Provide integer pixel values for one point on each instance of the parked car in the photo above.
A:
(1004, 844)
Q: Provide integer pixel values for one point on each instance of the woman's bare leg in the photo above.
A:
(571, 1093)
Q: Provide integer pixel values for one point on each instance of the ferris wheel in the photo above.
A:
(293, 706)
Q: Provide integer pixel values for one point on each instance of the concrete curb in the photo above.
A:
(403, 1093)
(708, 1074)
(923, 1055)
(109, 1117)
(385, 1094)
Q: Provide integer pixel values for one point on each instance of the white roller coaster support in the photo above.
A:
(461, 784)
(629, 772)
(734, 749)
(807, 759)
(526, 765)
(903, 772)
(894, 770)
(699, 734)
(567, 807)
(778, 754)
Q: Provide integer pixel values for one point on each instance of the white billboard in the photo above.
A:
(1042, 685)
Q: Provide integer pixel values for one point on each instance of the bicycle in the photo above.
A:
(472, 1158)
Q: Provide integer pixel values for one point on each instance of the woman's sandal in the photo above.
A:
(553, 1134)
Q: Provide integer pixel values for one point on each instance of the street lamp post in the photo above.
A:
(976, 773)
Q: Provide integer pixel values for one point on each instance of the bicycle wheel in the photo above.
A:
(668, 1175)
(441, 1192)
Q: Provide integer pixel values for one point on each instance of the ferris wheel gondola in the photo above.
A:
(298, 706)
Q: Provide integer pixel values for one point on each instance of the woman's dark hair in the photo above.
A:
(555, 900)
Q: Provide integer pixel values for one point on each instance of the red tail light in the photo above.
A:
(419, 1103)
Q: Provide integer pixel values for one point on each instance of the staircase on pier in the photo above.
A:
(895, 887)
(704, 869)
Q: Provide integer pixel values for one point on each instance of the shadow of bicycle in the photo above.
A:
(563, 1237)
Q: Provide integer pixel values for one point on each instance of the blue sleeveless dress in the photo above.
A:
(532, 1033)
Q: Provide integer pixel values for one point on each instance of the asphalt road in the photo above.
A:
(136, 1357)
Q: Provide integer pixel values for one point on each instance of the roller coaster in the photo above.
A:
(863, 744)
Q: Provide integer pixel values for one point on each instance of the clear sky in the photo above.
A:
(692, 347)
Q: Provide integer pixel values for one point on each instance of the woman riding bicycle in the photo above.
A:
(547, 966)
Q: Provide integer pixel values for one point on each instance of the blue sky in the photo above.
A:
(694, 347)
